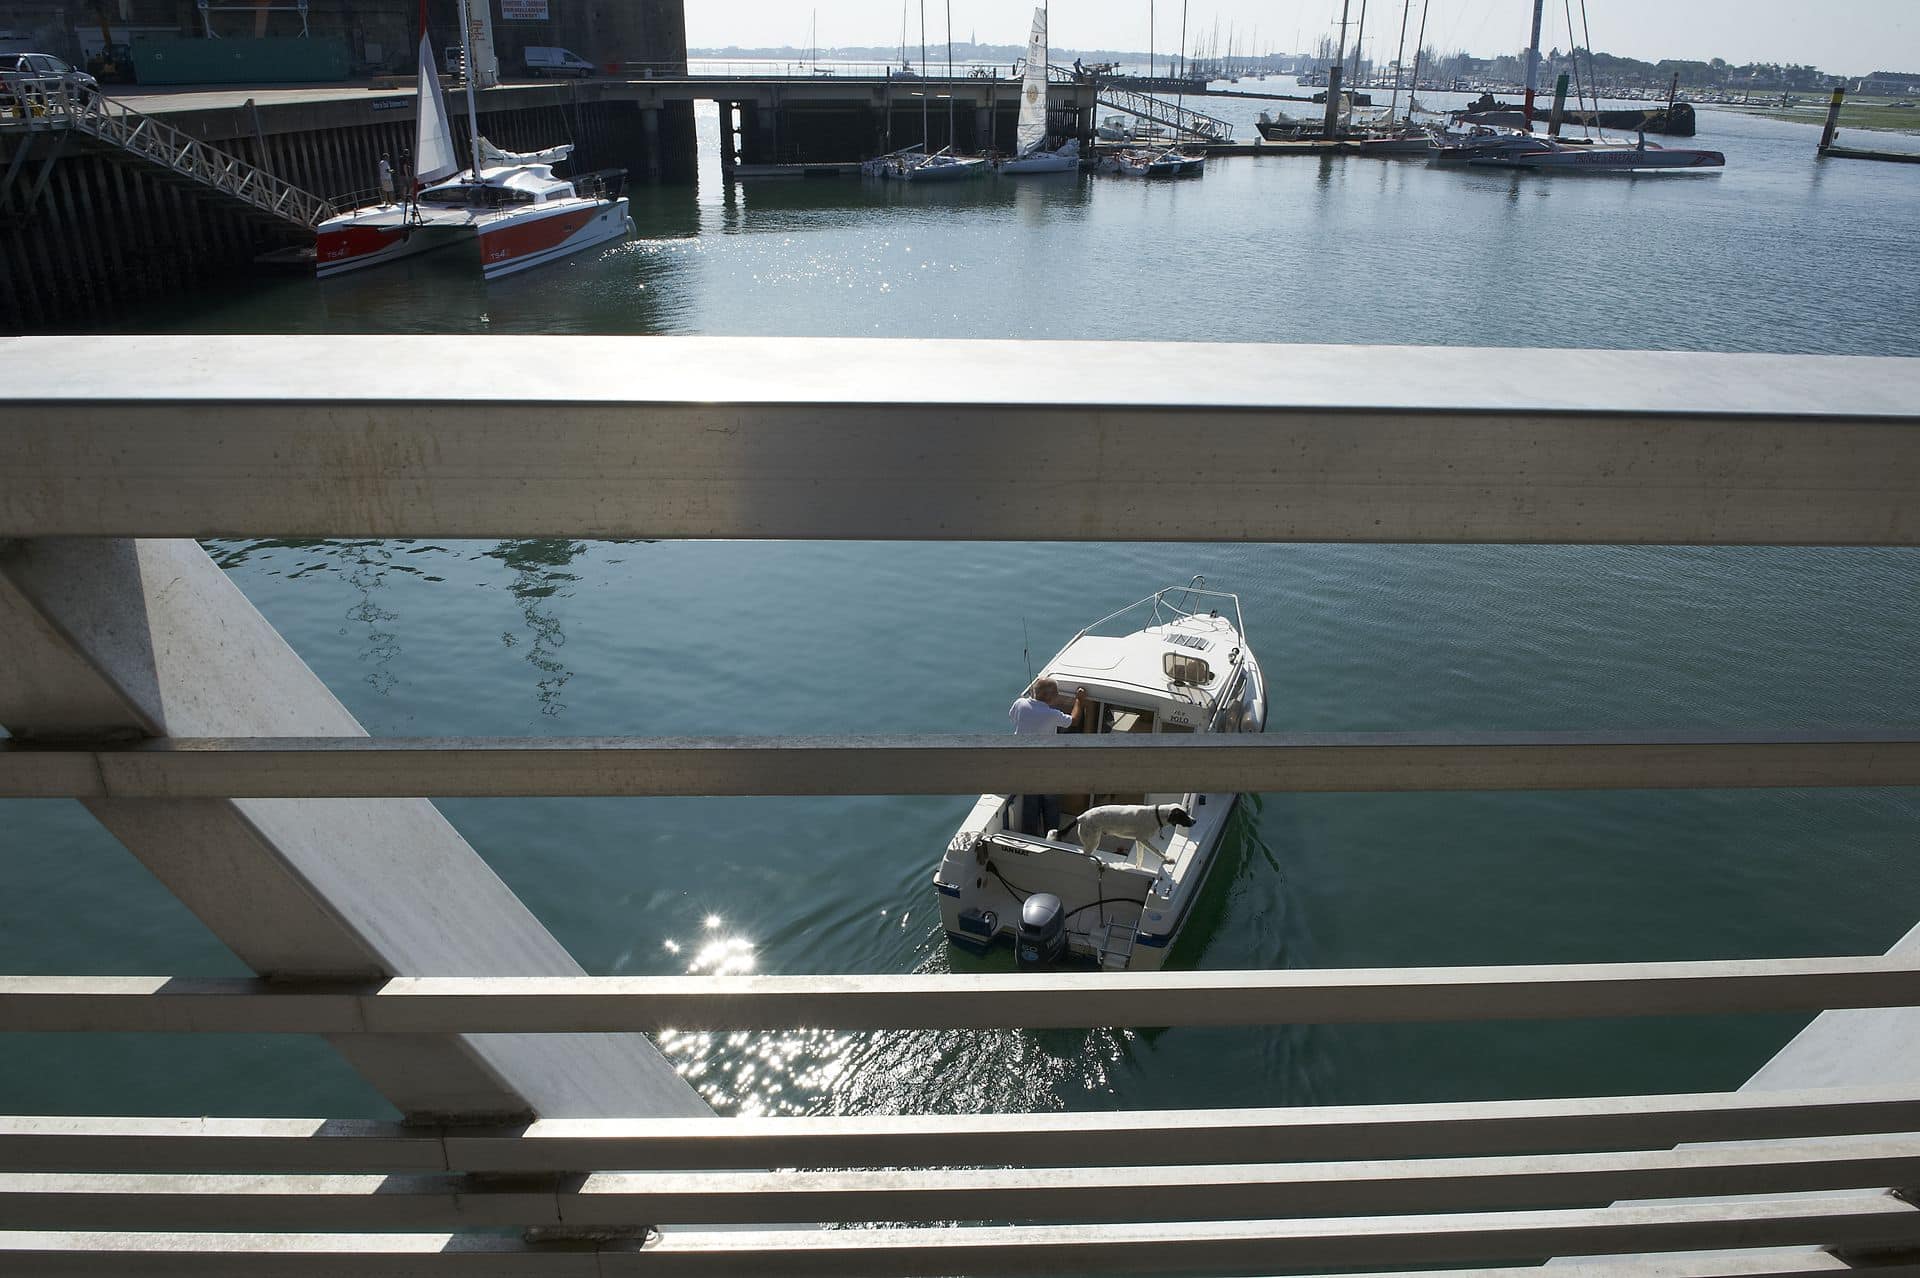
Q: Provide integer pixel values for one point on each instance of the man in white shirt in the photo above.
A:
(1036, 715)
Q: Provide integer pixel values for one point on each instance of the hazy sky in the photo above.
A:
(1842, 36)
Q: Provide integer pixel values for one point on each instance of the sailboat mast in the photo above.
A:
(1180, 89)
(1149, 46)
(1399, 61)
(473, 112)
(926, 128)
(950, 74)
(1331, 128)
(1182, 72)
(1359, 39)
(1419, 47)
(1533, 61)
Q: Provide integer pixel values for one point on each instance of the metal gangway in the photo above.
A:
(1178, 118)
(62, 103)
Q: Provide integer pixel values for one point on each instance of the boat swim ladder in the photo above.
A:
(1178, 118)
(61, 103)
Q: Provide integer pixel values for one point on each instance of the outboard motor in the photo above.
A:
(1042, 937)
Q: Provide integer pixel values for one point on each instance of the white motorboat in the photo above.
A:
(1030, 132)
(510, 205)
(1119, 904)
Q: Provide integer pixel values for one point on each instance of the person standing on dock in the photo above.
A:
(386, 178)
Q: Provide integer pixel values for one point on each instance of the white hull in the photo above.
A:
(1126, 900)
(1045, 162)
(1138, 934)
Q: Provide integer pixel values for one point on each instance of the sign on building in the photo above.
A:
(523, 10)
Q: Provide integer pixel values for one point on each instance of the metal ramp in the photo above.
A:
(57, 104)
(1172, 116)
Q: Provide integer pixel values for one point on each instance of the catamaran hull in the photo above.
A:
(520, 242)
(354, 246)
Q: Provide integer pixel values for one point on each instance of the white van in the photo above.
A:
(545, 61)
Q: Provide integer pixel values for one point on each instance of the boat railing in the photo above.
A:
(1161, 609)
(534, 1130)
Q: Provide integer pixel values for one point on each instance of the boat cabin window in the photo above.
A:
(1176, 727)
(1181, 667)
(486, 196)
(1127, 719)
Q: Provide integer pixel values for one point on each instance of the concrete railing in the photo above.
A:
(141, 438)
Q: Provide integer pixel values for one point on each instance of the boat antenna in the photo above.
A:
(473, 113)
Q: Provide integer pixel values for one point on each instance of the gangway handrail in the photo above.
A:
(65, 102)
(1148, 107)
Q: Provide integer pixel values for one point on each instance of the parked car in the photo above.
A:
(42, 65)
(540, 60)
(19, 70)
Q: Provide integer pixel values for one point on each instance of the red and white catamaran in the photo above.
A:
(509, 204)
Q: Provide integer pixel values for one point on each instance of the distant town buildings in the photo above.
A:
(1890, 83)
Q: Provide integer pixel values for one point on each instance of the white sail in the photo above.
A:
(493, 157)
(1031, 134)
(433, 142)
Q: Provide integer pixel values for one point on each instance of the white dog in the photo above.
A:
(1123, 820)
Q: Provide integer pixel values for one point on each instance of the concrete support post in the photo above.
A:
(1332, 126)
(115, 638)
(650, 125)
(729, 138)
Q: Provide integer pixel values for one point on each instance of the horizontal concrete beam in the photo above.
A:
(1858, 1222)
(823, 438)
(313, 767)
(603, 1004)
(1177, 1137)
(172, 1201)
(1129, 1192)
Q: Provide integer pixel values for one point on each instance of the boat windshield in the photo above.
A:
(467, 193)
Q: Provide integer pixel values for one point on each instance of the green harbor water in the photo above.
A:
(1778, 253)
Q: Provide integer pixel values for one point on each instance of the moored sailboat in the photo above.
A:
(1030, 133)
(511, 205)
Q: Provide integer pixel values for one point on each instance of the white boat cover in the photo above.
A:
(492, 156)
(1031, 132)
(433, 141)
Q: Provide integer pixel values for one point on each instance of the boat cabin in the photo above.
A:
(499, 187)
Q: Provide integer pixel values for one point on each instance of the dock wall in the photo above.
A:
(86, 232)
